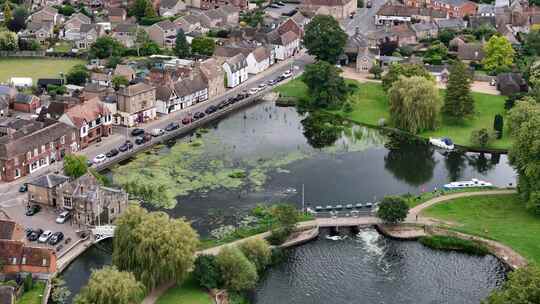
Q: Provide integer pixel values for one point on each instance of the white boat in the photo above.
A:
(468, 184)
(444, 143)
(335, 237)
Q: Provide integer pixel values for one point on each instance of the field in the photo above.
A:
(370, 104)
(187, 293)
(498, 217)
(35, 68)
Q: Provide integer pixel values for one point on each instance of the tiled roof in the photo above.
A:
(87, 111)
(261, 53)
(237, 62)
(288, 37)
(117, 11)
(166, 25)
(125, 28)
(23, 98)
(211, 69)
(6, 229)
(82, 17)
(168, 3)
(326, 2)
(135, 89)
(124, 70)
(189, 86)
(49, 181)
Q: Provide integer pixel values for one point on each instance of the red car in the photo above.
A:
(186, 120)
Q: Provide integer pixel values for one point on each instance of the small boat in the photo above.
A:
(329, 207)
(444, 143)
(369, 205)
(349, 206)
(359, 205)
(468, 184)
(335, 237)
(290, 191)
(339, 207)
(318, 208)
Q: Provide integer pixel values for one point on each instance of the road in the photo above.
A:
(364, 19)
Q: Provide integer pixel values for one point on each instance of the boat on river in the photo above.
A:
(474, 183)
(336, 237)
(444, 143)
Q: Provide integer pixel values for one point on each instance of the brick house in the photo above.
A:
(136, 104)
(454, 8)
(25, 103)
(39, 31)
(88, 34)
(19, 258)
(28, 146)
(210, 4)
(126, 33)
(47, 14)
(92, 118)
(42, 190)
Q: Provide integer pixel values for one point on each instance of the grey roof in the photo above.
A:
(485, 9)
(189, 86)
(23, 98)
(163, 93)
(82, 17)
(471, 51)
(4, 102)
(237, 62)
(5, 90)
(168, 3)
(358, 40)
(502, 3)
(428, 26)
(227, 9)
(450, 23)
(85, 28)
(455, 2)
(125, 27)
(49, 181)
(166, 25)
(35, 26)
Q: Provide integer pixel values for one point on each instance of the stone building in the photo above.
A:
(136, 104)
(339, 9)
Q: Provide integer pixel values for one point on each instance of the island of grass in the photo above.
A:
(370, 104)
(35, 68)
(502, 218)
(187, 293)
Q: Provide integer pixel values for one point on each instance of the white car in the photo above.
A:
(287, 74)
(45, 236)
(157, 132)
(262, 86)
(62, 217)
(253, 91)
(99, 158)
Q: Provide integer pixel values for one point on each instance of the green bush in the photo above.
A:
(28, 283)
(206, 272)
(481, 137)
(454, 244)
(393, 209)
(258, 252)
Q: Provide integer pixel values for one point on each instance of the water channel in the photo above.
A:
(263, 153)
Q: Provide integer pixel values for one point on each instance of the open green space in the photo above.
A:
(187, 293)
(415, 200)
(35, 68)
(370, 104)
(33, 296)
(498, 217)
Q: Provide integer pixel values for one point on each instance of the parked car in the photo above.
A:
(89, 163)
(186, 120)
(28, 232)
(287, 74)
(23, 188)
(211, 109)
(31, 210)
(35, 235)
(112, 153)
(99, 158)
(198, 115)
(56, 238)
(262, 86)
(45, 236)
(223, 104)
(137, 132)
(280, 3)
(172, 126)
(253, 91)
(128, 145)
(63, 217)
(157, 132)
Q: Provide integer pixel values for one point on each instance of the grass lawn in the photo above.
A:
(188, 293)
(63, 47)
(35, 68)
(499, 217)
(415, 200)
(370, 104)
(34, 296)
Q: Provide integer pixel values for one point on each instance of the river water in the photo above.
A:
(276, 149)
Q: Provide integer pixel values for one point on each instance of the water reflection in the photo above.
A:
(321, 130)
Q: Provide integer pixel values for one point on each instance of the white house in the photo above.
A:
(258, 60)
(21, 82)
(236, 70)
(285, 45)
(191, 90)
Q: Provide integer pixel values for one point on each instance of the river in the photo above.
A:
(275, 150)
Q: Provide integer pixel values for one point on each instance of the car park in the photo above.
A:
(186, 120)
(99, 158)
(172, 126)
(31, 210)
(137, 132)
(128, 145)
(56, 238)
(157, 132)
(35, 235)
(45, 236)
(112, 153)
(63, 217)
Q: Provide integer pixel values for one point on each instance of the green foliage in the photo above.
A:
(56, 90)
(18, 22)
(393, 209)
(102, 179)
(203, 46)
(498, 125)
(523, 111)
(75, 165)
(238, 273)
(252, 18)
(499, 54)
(448, 243)
(407, 70)
(414, 104)
(119, 80)
(77, 75)
(531, 46)
(206, 272)
(8, 41)
(181, 46)
(321, 129)
(113, 62)
(285, 216)
(258, 252)
(106, 47)
(28, 283)
(66, 10)
(60, 293)
(446, 35)
(436, 53)
(153, 246)
(142, 8)
(481, 137)
(324, 38)
(458, 101)
(484, 32)
(8, 14)
(522, 287)
(376, 70)
(326, 88)
(108, 285)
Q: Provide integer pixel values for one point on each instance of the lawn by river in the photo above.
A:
(35, 68)
(498, 217)
(370, 104)
(187, 293)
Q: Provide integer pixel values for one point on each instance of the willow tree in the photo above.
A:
(414, 104)
(153, 246)
(110, 286)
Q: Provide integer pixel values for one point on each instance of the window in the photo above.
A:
(42, 162)
(34, 165)
(42, 148)
(28, 155)
(14, 261)
(44, 262)
(23, 261)
(73, 136)
(52, 145)
(63, 140)
(67, 202)
(35, 151)
(17, 173)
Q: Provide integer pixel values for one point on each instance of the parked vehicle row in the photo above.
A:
(46, 237)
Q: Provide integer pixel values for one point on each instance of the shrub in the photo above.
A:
(393, 209)
(206, 272)
(28, 283)
(237, 272)
(439, 242)
(498, 125)
(278, 236)
(258, 252)
(481, 137)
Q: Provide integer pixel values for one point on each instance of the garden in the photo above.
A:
(35, 68)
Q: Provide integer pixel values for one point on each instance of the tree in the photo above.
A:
(141, 8)
(77, 75)
(324, 38)
(498, 125)
(393, 209)
(522, 287)
(414, 104)
(119, 81)
(181, 46)
(522, 112)
(206, 272)
(258, 252)
(238, 273)
(28, 282)
(407, 70)
(458, 101)
(285, 216)
(523, 157)
(481, 137)
(499, 54)
(113, 62)
(8, 15)
(326, 88)
(60, 293)
(203, 46)
(106, 47)
(150, 48)
(436, 53)
(446, 35)
(150, 11)
(153, 246)
(75, 165)
(8, 41)
(66, 10)
(108, 285)
(320, 130)
(18, 22)
(484, 32)
(531, 46)
(376, 70)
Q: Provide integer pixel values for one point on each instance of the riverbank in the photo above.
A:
(370, 106)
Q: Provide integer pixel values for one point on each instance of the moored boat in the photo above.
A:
(444, 143)
(468, 184)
